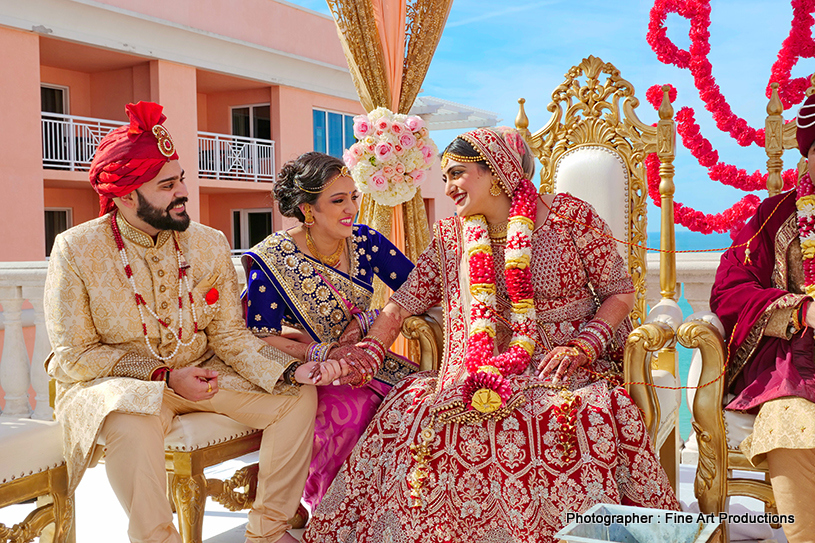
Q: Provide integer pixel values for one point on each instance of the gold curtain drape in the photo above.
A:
(378, 37)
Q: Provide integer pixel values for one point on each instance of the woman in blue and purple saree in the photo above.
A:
(308, 292)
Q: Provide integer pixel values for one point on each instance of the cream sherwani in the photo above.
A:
(101, 362)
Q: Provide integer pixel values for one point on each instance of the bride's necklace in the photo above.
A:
(183, 279)
(329, 260)
(498, 232)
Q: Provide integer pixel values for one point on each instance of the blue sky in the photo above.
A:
(492, 53)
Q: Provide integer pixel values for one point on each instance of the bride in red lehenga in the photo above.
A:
(520, 425)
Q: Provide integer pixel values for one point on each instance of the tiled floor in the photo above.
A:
(100, 519)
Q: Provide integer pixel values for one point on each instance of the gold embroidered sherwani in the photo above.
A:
(101, 362)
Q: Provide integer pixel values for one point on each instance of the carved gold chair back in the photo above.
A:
(594, 147)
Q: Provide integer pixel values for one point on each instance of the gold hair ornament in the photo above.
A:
(344, 172)
(460, 158)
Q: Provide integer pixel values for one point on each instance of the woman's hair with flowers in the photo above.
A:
(300, 179)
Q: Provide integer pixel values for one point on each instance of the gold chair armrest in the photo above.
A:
(639, 346)
(427, 330)
(708, 419)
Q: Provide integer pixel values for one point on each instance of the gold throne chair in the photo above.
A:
(720, 432)
(594, 147)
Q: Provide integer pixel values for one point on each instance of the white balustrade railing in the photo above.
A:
(221, 156)
(69, 142)
(25, 281)
(21, 282)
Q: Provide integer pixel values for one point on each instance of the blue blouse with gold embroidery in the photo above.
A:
(286, 286)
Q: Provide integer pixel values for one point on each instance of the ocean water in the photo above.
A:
(688, 241)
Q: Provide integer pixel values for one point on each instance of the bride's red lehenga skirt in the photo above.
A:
(512, 480)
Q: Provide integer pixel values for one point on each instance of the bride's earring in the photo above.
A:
(308, 219)
(495, 189)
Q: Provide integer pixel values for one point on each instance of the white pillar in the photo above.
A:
(42, 348)
(14, 366)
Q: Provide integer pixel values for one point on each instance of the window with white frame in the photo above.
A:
(333, 132)
(253, 121)
(250, 227)
(57, 220)
(54, 99)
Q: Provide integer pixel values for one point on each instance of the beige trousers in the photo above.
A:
(792, 474)
(134, 452)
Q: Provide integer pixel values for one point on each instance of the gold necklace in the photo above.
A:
(498, 232)
(331, 260)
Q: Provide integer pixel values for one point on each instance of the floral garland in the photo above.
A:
(392, 156)
(805, 205)
(798, 44)
(485, 388)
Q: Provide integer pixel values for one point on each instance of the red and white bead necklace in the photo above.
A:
(183, 278)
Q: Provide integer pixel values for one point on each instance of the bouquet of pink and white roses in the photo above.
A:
(392, 156)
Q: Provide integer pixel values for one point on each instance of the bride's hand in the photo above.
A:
(560, 363)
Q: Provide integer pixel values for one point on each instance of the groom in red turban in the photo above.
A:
(763, 294)
(142, 308)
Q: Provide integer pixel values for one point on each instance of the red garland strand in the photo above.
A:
(799, 44)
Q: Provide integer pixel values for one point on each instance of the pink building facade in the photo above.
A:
(246, 85)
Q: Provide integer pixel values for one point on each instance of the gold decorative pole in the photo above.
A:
(774, 142)
(666, 359)
(666, 144)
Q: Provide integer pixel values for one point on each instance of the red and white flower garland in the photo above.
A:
(486, 370)
(805, 205)
(183, 278)
(798, 44)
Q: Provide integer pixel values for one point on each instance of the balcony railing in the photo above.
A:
(69, 142)
(234, 157)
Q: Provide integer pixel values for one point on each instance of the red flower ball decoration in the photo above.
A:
(212, 296)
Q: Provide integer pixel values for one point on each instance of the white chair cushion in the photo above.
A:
(197, 430)
(28, 446)
(599, 176)
(669, 401)
(737, 425)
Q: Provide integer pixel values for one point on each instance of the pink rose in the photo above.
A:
(358, 151)
(400, 168)
(419, 176)
(407, 140)
(398, 149)
(427, 154)
(378, 181)
(423, 132)
(414, 124)
(371, 148)
(380, 132)
(382, 124)
(383, 151)
(388, 170)
(362, 127)
(398, 128)
(349, 158)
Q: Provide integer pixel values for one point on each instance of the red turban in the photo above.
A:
(805, 122)
(132, 155)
